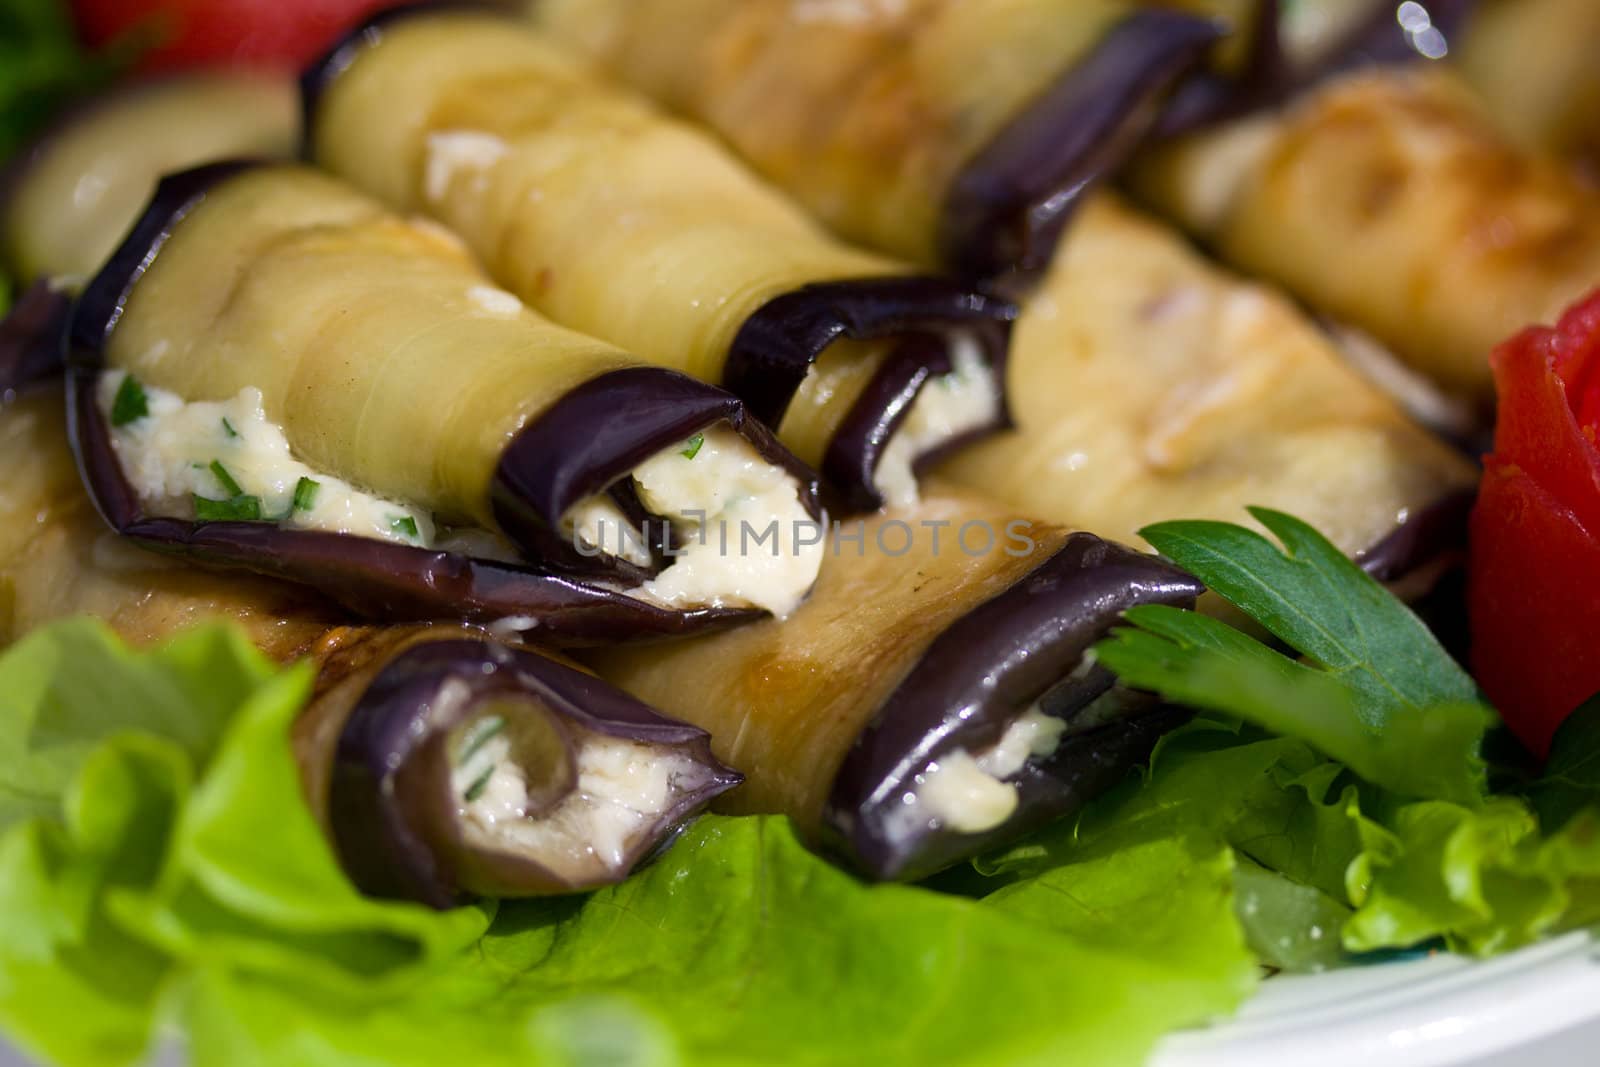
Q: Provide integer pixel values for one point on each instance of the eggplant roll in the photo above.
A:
(443, 763)
(933, 697)
(70, 198)
(1388, 200)
(1532, 63)
(943, 131)
(621, 223)
(273, 371)
(1151, 385)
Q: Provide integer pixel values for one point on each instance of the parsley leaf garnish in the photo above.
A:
(692, 447)
(1375, 689)
(130, 404)
(1571, 779)
(405, 525)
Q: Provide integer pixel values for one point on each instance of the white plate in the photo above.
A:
(1430, 1012)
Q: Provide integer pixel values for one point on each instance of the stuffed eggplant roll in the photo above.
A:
(1388, 200)
(619, 222)
(274, 372)
(944, 132)
(1533, 65)
(443, 763)
(68, 200)
(1151, 385)
(933, 697)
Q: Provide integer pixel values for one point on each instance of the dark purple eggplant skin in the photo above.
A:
(1209, 96)
(1005, 211)
(1382, 41)
(594, 435)
(973, 682)
(1268, 78)
(381, 817)
(32, 338)
(773, 352)
(1434, 534)
(375, 579)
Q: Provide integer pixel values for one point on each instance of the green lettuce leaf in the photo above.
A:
(1483, 879)
(740, 946)
(176, 833)
(165, 871)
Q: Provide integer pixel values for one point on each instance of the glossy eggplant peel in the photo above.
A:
(377, 579)
(1006, 208)
(1022, 649)
(773, 352)
(399, 819)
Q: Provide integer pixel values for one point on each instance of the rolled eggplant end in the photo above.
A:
(1006, 208)
(470, 769)
(962, 758)
(688, 504)
(942, 384)
(32, 338)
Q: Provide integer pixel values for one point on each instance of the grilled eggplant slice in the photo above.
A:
(274, 372)
(946, 133)
(443, 763)
(619, 222)
(933, 698)
(1532, 64)
(71, 196)
(1388, 200)
(1151, 384)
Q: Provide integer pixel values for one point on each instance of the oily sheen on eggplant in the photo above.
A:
(383, 744)
(947, 133)
(377, 355)
(68, 198)
(617, 221)
(1386, 198)
(932, 698)
(1151, 384)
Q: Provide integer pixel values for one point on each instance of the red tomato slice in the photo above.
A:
(285, 34)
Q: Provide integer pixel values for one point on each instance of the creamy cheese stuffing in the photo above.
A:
(968, 792)
(957, 403)
(622, 790)
(742, 535)
(181, 450)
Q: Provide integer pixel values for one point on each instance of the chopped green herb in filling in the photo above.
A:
(227, 427)
(130, 403)
(305, 494)
(240, 508)
(224, 479)
(483, 731)
(692, 448)
(475, 790)
(405, 525)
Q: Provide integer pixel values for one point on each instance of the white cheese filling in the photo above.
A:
(180, 454)
(598, 525)
(968, 792)
(953, 404)
(623, 789)
(742, 536)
